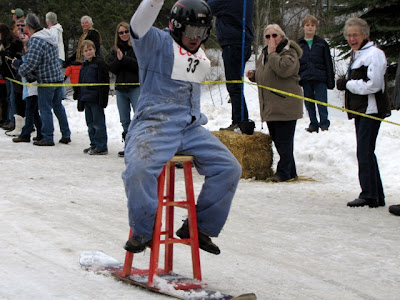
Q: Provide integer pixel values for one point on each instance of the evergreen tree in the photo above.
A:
(383, 21)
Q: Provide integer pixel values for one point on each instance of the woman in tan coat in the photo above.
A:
(278, 67)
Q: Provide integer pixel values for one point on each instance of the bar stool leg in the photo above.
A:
(126, 271)
(155, 246)
(192, 218)
(169, 218)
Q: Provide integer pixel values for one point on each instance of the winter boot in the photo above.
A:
(19, 123)
(395, 209)
(122, 153)
(7, 125)
(136, 247)
(205, 242)
(21, 139)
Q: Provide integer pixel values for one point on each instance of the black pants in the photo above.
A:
(368, 170)
(3, 103)
(232, 57)
(20, 104)
(282, 134)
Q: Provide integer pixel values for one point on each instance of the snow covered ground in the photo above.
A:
(293, 240)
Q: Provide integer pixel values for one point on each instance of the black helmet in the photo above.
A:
(192, 18)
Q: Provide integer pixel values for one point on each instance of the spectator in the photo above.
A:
(364, 86)
(168, 121)
(124, 65)
(278, 67)
(72, 71)
(396, 93)
(18, 104)
(89, 33)
(17, 14)
(93, 99)
(57, 30)
(31, 112)
(3, 101)
(229, 33)
(42, 64)
(10, 48)
(316, 72)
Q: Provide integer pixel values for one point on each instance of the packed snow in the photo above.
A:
(294, 240)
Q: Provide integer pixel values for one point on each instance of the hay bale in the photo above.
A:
(254, 152)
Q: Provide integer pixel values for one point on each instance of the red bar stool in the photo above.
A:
(166, 198)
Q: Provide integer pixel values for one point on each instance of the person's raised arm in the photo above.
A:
(144, 17)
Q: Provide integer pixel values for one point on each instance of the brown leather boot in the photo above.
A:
(21, 139)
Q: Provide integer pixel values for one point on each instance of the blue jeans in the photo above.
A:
(316, 90)
(12, 109)
(125, 100)
(63, 88)
(282, 134)
(152, 143)
(232, 56)
(32, 117)
(50, 98)
(96, 123)
(368, 169)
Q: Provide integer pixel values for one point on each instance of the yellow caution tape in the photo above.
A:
(323, 103)
(218, 82)
(65, 84)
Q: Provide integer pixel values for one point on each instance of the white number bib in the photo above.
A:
(188, 66)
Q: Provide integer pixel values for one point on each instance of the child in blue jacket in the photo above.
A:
(316, 72)
(94, 98)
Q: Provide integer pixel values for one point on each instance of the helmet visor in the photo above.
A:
(193, 32)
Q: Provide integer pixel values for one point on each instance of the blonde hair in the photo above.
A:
(277, 28)
(309, 19)
(87, 43)
(117, 38)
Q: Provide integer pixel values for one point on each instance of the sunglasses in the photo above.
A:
(268, 36)
(123, 32)
(21, 25)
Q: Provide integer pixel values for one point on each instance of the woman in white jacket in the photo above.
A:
(365, 92)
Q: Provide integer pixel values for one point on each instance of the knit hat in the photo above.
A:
(18, 12)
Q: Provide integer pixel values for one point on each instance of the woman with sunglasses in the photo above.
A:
(278, 68)
(123, 64)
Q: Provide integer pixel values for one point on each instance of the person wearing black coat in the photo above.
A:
(229, 29)
(124, 65)
(93, 99)
(11, 47)
(316, 72)
(89, 33)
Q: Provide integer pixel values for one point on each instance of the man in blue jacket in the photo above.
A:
(316, 72)
(229, 33)
(41, 63)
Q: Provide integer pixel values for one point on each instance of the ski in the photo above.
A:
(171, 284)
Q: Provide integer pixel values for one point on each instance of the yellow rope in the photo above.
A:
(218, 82)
